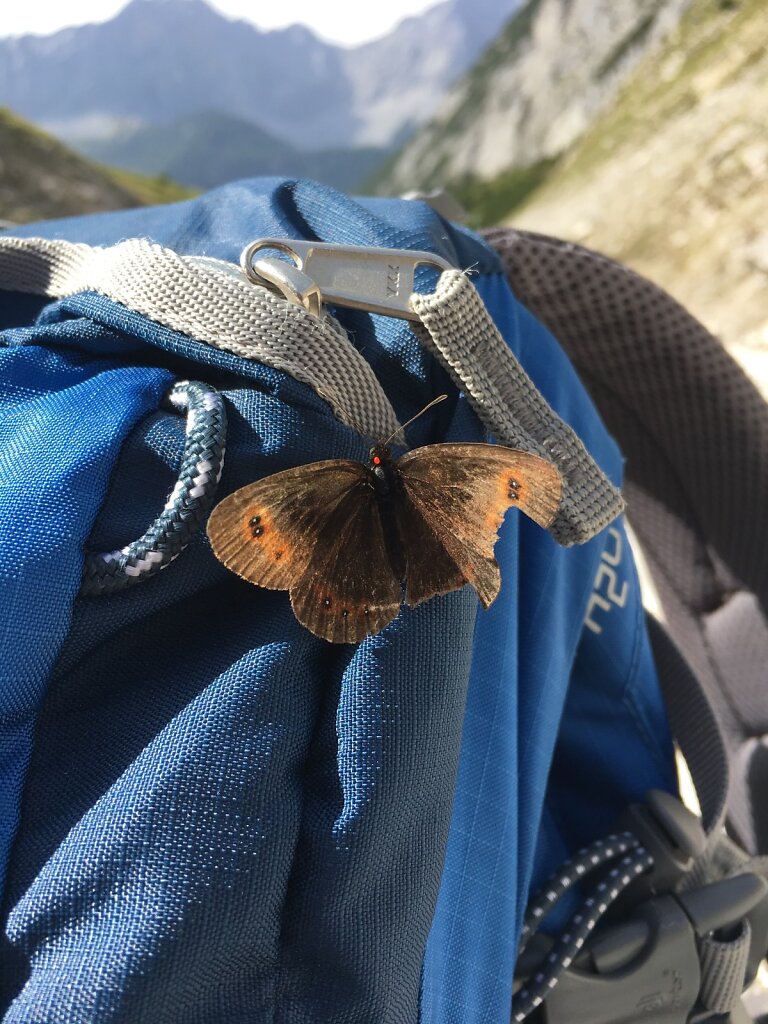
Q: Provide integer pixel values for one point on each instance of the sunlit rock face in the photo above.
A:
(536, 89)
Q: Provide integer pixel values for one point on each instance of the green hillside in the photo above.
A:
(41, 178)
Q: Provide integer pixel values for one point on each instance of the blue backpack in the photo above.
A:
(208, 814)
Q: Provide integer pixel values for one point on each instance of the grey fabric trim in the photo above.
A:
(459, 331)
(695, 726)
(723, 970)
(668, 391)
(203, 299)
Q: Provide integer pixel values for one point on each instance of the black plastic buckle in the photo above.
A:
(672, 835)
(648, 968)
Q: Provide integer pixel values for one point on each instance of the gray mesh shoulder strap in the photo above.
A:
(694, 431)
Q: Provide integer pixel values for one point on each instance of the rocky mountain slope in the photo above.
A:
(673, 179)
(39, 178)
(535, 90)
(159, 60)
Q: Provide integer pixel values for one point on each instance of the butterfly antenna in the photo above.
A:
(435, 401)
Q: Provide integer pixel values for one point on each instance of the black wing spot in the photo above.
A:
(278, 555)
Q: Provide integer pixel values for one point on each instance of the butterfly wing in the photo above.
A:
(429, 569)
(462, 492)
(266, 532)
(349, 587)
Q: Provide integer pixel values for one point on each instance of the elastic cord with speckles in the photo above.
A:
(635, 861)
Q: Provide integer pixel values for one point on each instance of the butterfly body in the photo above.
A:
(343, 537)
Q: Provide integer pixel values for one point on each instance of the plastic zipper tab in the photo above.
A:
(354, 276)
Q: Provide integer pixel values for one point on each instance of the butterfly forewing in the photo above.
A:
(462, 492)
(349, 588)
(266, 532)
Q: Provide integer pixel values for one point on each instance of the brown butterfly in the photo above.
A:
(342, 536)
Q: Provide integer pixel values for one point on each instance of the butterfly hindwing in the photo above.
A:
(266, 532)
(429, 569)
(349, 587)
(462, 492)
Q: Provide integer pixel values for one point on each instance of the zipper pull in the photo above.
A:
(354, 276)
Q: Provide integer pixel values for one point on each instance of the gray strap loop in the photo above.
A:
(460, 332)
(723, 969)
(188, 505)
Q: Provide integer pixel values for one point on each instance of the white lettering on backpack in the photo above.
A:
(606, 589)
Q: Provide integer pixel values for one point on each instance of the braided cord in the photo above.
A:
(188, 505)
(635, 862)
(571, 872)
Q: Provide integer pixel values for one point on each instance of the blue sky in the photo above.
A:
(340, 21)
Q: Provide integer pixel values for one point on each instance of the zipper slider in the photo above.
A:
(354, 276)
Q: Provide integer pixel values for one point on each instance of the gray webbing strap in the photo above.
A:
(696, 728)
(464, 338)
(208, 301)
(211, 301)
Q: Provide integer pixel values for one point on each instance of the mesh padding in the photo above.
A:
(694, 430)
(666, 388)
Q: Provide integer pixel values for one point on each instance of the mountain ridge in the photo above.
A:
(287, 81)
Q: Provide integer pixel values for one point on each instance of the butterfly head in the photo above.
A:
(380, 455)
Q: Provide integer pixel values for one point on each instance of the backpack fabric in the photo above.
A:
(208, 814)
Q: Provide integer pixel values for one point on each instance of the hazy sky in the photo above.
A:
(341, 21)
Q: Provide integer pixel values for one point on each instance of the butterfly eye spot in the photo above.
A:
(366, 611)
(514, 489)
(327, 602)
(255, 525)
(344, 612)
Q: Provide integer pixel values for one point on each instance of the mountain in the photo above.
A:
(398, 82)
(161, 60)
(673, 178)
(208, 149)
(39, 178)
(534, 91)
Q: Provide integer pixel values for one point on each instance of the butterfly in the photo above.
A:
(343, 536)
